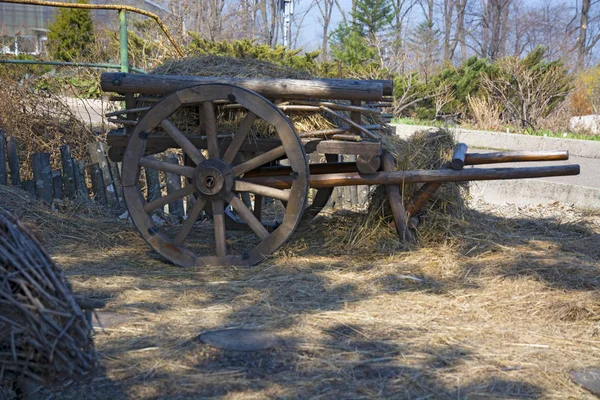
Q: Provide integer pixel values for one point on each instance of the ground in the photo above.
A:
(504, 305)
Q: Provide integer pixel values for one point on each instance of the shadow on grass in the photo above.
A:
(341, 361)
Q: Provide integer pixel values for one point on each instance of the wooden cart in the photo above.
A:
(220, 170)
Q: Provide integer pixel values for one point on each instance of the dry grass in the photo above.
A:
(41, 122)
(486, 113)
(504, 307)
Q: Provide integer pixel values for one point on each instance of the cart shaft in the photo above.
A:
(320, 181)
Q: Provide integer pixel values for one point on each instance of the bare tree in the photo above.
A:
(453, 14)
(326, 9)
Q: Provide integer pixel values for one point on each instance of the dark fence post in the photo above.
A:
(3, 174)
(13, 162)
(68, 175)
(42, 176)
(57, 185)
(29, 187)
(152, 183)
(98, 187)
(82, 190)
(99, 158)
(173, 184)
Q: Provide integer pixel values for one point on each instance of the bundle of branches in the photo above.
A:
(40, 121)
(305, 116)
(44, 333)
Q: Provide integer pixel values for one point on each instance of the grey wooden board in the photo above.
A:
(588, 378)
(240, 339)
(67, 171)
(13, 161)
(3, 170)
(97, 152)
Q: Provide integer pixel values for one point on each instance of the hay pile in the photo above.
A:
(210, 65)
(371, 231)
(41, 122)
(44, 333)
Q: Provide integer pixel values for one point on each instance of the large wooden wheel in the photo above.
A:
(215, 180)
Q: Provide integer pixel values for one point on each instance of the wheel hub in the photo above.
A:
(213, 177)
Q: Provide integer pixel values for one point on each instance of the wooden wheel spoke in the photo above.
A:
(248, 216)
(218, 208)
(163, 201)
(192, 217)
(179, 138)
(239, 137)
(266, 191)
(151, 163)
(256, 162)
(210, 122)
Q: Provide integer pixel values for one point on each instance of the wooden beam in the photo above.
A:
(403, 177)
(340, 89)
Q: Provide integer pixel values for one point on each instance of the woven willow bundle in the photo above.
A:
(44, 333)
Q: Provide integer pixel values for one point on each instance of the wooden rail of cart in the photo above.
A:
(220, 169)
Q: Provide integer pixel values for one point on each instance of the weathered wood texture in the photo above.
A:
(13, 161)
(78, 170)
(515, 156)
(403, 177)
(458, 158)
(395, 201)
(98, 188)
(3, 170)
(42, 176)
(334, 89)
(57, 185)
(152, 184)
(174, 184)
(70, 188)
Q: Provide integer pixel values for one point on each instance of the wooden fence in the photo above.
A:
(103, 181)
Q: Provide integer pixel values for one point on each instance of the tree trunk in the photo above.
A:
(581, 39)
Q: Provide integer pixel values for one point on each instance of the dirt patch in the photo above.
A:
(504, 305)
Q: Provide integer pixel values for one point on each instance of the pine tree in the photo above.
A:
(372, 16)
(349, 45)
(71, 34)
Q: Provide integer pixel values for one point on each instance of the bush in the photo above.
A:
(528, 88)
(71, 35)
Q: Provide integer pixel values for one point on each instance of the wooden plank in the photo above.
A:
(29, 186)
(368, 164)
(99, 158)
(158, 144)
(80, 186)
(153, 184)
(340, 89)
(95, 172)
(356, 148)
(13, 161)
(174, 184)
(3, 170)
(116, 176)
(67, 172)
(57, 185)
(42, 176)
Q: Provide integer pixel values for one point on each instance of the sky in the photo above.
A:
(311, 36)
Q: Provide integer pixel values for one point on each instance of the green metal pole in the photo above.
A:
(123, 41)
